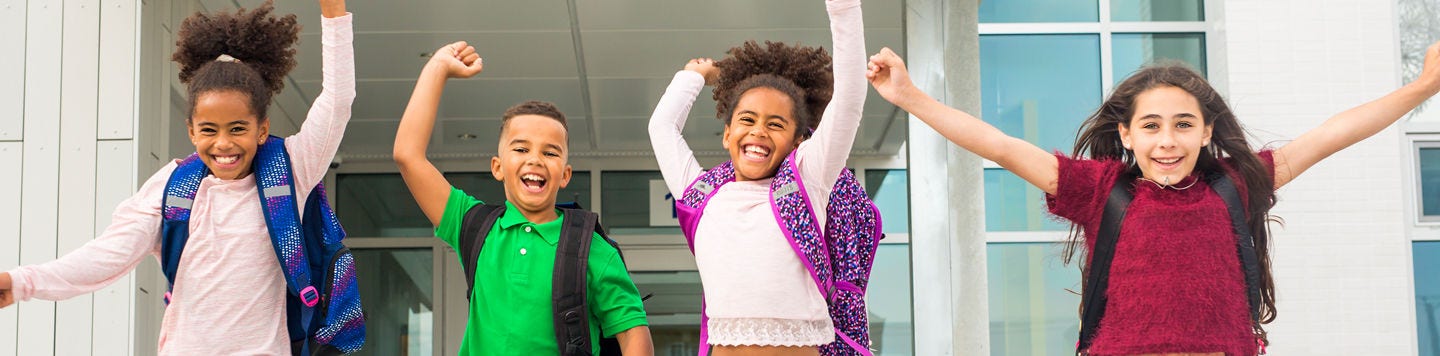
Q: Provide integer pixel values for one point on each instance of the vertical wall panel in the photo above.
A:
(12, 69)
(117, 70)
(41, 166)
(113, 322)
(78, 98)
(9, 237)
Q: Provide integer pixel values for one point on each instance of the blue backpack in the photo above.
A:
(323, 314)
(839, 257)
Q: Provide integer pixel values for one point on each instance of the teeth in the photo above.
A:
(532, 177)
(756, 149)
(1167, 161)
(226, 159)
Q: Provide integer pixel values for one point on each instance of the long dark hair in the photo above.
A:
(1099, 138)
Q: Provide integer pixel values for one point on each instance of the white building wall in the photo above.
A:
(67, 135)
(1342, 259)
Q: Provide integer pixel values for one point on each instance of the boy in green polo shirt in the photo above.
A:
(510, 308)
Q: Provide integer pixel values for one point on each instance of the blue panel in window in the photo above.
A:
(1039, 87)
(1135, 50)
(890, 190)
(1430, 181)
(1157, 10)
(1040, 11)
(1032, 308)
(888, 298)
(1427, 295)
(1012, 204)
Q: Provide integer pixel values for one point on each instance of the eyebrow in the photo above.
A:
(787, 120)
(524, 141)
(232, 123)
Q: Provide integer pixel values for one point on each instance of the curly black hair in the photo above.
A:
(807, 70)
(261, 43)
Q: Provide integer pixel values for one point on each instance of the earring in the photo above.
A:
(1127, 146)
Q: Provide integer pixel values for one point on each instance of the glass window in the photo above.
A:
(379, 204)
(1040, 11)
(1012, 204)
(1430, 182)
(888, 298)
(1157, 10)
(398, 300)
(1033, 300)
(1038, 88)
(890, 189)
(1133, 50)
(1427, 295)
(627, 197)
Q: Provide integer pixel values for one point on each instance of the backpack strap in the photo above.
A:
(572, 255)
(1093, 297)
(690, 205)
(175, 210)
(473, 230)
(274, 180)
(1245, 241)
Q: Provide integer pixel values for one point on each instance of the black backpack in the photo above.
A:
(572, 313)
(1092, 300)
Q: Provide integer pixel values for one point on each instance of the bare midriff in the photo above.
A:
(765, 351)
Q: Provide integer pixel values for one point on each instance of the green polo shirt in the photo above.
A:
(510, 310)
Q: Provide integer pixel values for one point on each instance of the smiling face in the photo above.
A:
(226, 133)
(532, 163)
(761, 133)
(1167, 133)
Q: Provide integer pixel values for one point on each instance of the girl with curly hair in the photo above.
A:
(1167, 139)
(774, 99)
(230, 294)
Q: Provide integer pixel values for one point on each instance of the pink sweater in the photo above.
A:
(229, 294)
(755, 285)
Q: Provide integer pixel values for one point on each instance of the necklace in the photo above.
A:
(1167, 183)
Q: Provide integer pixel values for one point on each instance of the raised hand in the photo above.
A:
(458, 60)
(7, 296)
(887, 73)
(706, 67)
(332, 8)
(1430, 75)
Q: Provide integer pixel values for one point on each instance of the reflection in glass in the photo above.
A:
(1157, 10)
(397, 294)
(890, 190)
(1427, 295)
(1012, 204)
(379, 204)
(1430, 180)
(1135, 50)
(892, 330)
(627, 202)
(1033, 310)
(1040, 11)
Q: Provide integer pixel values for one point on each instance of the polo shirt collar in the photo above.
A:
(550, 231)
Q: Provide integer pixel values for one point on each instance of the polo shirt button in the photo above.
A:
(527, 229)
(522, 251)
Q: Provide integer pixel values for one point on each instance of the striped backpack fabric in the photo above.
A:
(839, 256)
(323, 303)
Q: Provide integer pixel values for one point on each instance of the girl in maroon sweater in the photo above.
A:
(1175, 285)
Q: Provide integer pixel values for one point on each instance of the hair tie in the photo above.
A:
(226, 58)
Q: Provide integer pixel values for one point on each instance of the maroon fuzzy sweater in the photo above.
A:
(1175, 284)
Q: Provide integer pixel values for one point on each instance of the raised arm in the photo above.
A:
(677, 162)
(824, 154)
(1351, 126)
(412, 138)
(315, 145)
(891, 79)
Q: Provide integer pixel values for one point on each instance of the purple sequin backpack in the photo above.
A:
(838, 257)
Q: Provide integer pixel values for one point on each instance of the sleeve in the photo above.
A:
(455, 209)
(614, 299)
(823, 156)
(677, 162)
(1082, 189)
(315, 145)
(134, 232)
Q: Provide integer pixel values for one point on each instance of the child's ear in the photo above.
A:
(264, 129)
(1124, 134)
(725, 137)
(565, 177)
(190, 130)
(495, 168)
(1209, 130)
